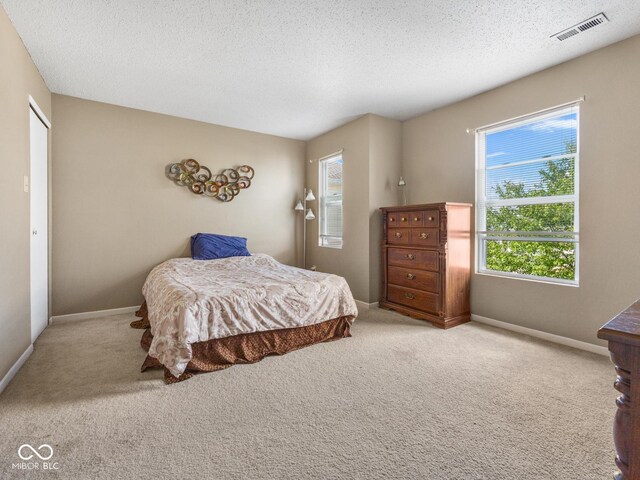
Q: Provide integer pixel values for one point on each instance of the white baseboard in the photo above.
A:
(365, 305)
(15, 367)
(569, 342)
(96, 314)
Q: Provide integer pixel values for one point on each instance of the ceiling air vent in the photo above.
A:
(581, 27)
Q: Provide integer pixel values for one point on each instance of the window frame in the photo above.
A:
(482, 204)
(323, 203)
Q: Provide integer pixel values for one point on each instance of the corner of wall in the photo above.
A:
(385, 165)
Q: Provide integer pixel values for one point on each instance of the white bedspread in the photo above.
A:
(197, 300)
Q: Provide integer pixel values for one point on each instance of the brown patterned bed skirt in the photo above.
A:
(222, 353)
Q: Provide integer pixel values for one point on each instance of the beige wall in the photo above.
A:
(385, 157)
(116, 215)
(439, 165)
(372, 150)
(19, 78)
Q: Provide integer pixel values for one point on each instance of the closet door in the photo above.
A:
(38, 189)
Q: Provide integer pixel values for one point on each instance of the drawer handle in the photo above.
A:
(398, 235)
(411, 256)
(410, 296)
(403, 219)
(392, 219)
(424, 235)
(410, 276)
(431, 219)
(416, 219)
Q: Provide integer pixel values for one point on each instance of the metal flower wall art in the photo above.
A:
(224, 186)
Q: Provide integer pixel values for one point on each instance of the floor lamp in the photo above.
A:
(308, 215)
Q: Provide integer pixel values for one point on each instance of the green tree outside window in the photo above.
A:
(553, 259)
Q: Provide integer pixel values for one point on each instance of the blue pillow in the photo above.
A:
(207, 246)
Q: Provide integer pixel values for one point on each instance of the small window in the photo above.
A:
(527, 198)
(331, 202)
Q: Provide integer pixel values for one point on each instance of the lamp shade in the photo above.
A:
(309, 215)
(310, 196)
(299, 206)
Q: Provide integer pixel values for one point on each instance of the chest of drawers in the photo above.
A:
(426, 256)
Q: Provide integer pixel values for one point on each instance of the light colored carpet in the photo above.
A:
(400, 399)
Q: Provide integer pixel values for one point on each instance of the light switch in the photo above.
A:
(26, 184)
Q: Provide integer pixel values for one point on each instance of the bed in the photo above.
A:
(206, 315)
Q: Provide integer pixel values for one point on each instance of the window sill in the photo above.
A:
(548, 281)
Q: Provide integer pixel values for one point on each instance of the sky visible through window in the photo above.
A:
(535, 140)
(545, 138)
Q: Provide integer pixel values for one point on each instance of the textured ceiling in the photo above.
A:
(298, 68)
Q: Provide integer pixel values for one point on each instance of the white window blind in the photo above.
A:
(331, 202)
(527, 197)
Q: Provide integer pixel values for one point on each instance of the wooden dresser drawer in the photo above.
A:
(425, 237)
(405, 257)
(399, 220)
(413, 278)
(431, 219)
(413, 298)
(416, 219)
(398, 235)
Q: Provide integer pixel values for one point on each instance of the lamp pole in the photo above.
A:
(304, 231)
(308, 215)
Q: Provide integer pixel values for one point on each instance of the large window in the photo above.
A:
(331, 202)
(527, 197)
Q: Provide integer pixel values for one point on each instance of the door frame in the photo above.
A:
(33, 105)
(38, 111)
